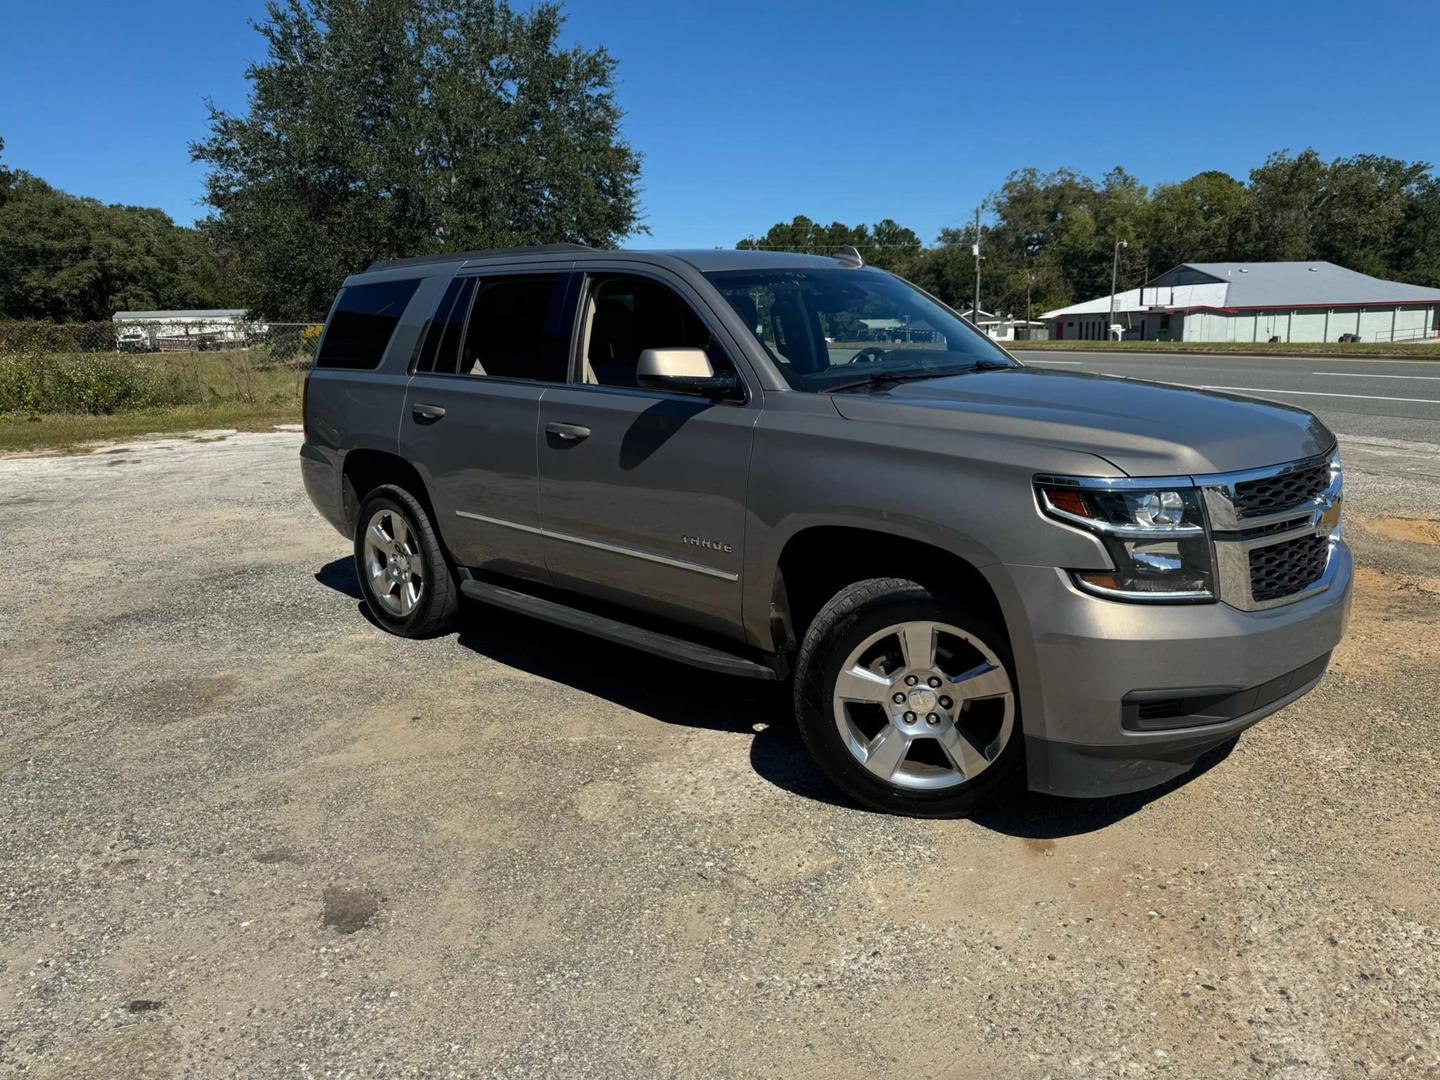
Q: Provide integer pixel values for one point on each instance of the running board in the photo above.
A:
(651, 641)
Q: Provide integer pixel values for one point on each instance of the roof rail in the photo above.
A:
(488, 253)
(848, 256)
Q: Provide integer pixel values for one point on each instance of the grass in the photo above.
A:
(158, 394)
(58, 431)
(1399, 349)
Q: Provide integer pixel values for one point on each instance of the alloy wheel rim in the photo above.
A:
(924, 705)
(394, 566)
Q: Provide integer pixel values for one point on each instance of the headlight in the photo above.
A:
(1155, 536)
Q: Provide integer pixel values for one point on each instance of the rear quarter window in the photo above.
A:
(365, 317)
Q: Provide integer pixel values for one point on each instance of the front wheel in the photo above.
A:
(407, 581)
(906, 702)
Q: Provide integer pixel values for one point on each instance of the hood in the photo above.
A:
(1142, 428)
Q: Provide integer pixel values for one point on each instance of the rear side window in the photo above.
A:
(519, 328)
(442, 343)
(365, 317)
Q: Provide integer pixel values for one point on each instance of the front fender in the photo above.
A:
(971, 496)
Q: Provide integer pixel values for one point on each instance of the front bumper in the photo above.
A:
(1078, 657)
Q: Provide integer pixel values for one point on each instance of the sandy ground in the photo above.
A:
(242, 832)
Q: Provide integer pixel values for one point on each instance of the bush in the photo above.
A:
(74, 369)
(310, 337)
(94, 384)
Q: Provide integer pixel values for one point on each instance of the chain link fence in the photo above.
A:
(109, 367)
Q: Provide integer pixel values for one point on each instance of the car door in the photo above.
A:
(497, 340)
(642, 491)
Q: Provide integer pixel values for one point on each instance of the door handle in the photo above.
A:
(427, 413)
(569, 432)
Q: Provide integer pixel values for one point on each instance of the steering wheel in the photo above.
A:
(871, 354)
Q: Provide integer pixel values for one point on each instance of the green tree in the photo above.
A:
(1208, 218)
(1417, 253)
(1360, 215)
(386, 128)
(887, 244)
(1050, 237)
(1287, 191)
(66, 258)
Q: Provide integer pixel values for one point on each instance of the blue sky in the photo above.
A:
(748, 113)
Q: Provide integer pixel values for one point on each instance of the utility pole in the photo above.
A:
(975, 312)
(1114, 274)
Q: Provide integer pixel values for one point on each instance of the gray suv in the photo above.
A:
(798, 467)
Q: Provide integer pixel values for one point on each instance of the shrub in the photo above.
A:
(94, 383)
(310, 337)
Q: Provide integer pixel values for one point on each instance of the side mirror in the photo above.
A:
(684, 371)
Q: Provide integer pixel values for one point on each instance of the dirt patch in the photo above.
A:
(169, 700)
(1392, 623)
(1413, 530)
(348, 910)
(277, 855)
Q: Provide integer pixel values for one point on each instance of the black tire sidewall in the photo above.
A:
(838, 630)
(436, 607)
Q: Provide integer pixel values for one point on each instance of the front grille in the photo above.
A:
(1286, 568)
(1281, 491)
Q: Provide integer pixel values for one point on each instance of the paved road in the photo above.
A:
(1395, 399)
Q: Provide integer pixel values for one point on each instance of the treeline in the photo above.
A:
(1049, 237)
(67, 258)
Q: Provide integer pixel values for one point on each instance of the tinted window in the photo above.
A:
(829, 328)
(365, 317)
(629, 315)
(519, 328)
(442, 342)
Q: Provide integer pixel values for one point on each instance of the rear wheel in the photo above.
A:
(404, 575)
(906, 702)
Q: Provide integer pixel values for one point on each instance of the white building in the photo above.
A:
(1264, 301)
(1006, 327)
(182, 331)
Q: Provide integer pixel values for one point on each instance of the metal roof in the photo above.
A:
(207, 313)
(1129, 300)
(1280, 284)
(1268, 285)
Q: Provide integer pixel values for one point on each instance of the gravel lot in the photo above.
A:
(242, 832)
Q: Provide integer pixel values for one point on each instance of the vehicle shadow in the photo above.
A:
(340, 576)
(674, 693)
(1035, 816)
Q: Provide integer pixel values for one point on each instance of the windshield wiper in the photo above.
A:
(885, 378)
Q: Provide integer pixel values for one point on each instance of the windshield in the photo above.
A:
(826, 329)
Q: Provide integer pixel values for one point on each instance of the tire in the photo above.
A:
(853, 731)
(421, 597)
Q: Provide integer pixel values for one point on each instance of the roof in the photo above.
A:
(203, 313)
(1129, 300)
(703, 259)
(1269, 285)
(485, 253)
(1275, 284)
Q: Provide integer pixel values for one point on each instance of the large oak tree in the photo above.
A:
(386, 128)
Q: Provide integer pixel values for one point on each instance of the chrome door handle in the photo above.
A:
(427, 413)
(569, 432)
